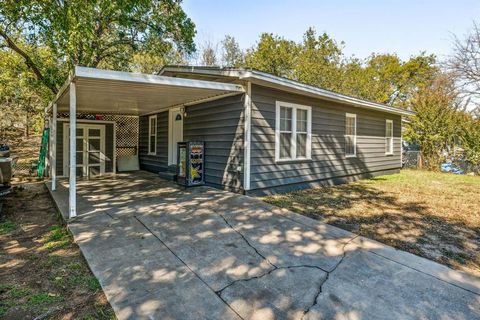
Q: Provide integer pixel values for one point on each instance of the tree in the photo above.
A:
(105, 34)
(208, 54)
(232, 55)
(437, 121)
(470, 141)
(319, 61)
(21, 95)
(465, 61)
(273, 54)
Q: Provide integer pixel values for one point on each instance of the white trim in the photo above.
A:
(88, 121)
(389, 152)
(102, 138)
(171, 146)
(93, 73)
(72, 187)
(282, 83)
(150, 134)
(351, 115)
(247, 136)
(53, 134)
(293, 138)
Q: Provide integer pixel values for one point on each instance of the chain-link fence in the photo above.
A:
(411, 159)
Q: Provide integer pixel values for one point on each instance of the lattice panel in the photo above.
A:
(126, 130)
(127, 133)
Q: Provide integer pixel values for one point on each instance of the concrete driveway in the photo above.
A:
(163, 253)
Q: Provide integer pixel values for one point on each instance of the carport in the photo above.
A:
(97, 91)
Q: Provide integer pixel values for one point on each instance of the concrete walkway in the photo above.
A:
(163, 253)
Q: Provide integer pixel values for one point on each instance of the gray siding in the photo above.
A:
(158, 162)
(220, 124)
(329, 164)
(109, 135)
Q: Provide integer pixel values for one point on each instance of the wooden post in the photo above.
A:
(72, 199)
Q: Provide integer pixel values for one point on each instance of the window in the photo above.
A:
(350, 135)
(389, 137)
(152, 135)
(293, 132)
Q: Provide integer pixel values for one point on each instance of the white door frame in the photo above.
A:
(85, 127)
(171, 144)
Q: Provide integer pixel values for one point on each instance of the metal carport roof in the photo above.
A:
(106, 91)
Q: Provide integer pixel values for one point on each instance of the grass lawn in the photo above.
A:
(42, 272)
(434, 215)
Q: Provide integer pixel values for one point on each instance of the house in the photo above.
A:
(262, 133)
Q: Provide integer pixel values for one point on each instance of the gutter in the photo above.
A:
(255, 75)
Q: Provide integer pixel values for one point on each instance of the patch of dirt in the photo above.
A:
(42, 272)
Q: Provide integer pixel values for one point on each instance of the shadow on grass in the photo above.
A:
(386, 217)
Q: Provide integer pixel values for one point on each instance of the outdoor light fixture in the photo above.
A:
(182, 110)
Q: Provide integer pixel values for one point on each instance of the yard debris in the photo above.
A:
(450, 167)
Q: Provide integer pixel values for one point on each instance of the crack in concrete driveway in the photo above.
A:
(164, 253)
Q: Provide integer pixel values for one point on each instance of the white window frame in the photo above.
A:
(354, 154)
(150, 134)
(388, 152)
(293, 138)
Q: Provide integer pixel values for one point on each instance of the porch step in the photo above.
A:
(170, 176)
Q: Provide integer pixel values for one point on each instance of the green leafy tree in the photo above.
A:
(319, 61)
(21, 95)
(436, 123)
(232, 55)
(273, 54)
(105, 34)
(470, 141)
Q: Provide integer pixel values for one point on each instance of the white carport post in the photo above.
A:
(72, 190)
(53, 154)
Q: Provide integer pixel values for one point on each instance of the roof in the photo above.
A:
(116, 92)
(272, 81)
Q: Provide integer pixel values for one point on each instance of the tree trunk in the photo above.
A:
(27, 132)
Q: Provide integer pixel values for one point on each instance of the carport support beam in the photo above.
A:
(72, 189)
(53, 137)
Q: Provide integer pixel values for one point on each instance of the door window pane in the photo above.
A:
(93, 171)
(79, 145)
(94, 144)
(94, 158)
(94, 132)
(79, 157)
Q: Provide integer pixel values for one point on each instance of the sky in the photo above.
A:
(405, 27)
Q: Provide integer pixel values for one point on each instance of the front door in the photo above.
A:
(90, 150)
(175, 133)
